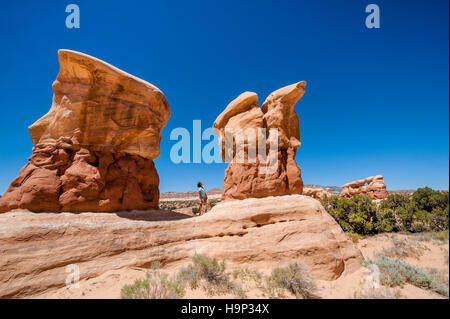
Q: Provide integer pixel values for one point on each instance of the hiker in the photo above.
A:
(203, 198)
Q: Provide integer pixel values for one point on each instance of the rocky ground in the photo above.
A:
(254, 236)
(427, 253)
(432, 254)
(38, 247)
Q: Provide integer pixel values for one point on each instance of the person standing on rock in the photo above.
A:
(203, 198)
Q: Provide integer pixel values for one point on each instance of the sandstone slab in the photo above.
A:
(37, 248)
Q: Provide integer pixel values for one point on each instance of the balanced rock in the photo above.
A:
(94, 149)
(245, 132)
(373, 187)
(36, 248)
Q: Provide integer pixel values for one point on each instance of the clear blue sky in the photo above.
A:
(377, 100)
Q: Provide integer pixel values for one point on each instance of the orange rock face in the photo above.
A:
(101, 107)
(94, 149)
(373, 187)
(240, 135)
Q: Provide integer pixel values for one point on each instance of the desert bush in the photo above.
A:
(156, 285)
(249, 278)
(386, 220)
(441, 280)
(195, 210)
(403, 248)
(354, 237)
(214, 202)
(211, 273)
(428, 199)
(424, 210)
(295, 278)
(378, 293)
(355, 215)
(246, 274)
(439, 219)
(396, 272)
(435, 235)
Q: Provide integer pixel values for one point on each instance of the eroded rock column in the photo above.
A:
(244, 128)
(94, 149)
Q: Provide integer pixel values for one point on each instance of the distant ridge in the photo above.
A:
(213, 191)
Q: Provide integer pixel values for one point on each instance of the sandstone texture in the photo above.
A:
(373, 187)
(94, 149)
(240, 138)
(316, 192)
(37, 248)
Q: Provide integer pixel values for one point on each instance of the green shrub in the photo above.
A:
(396, 272)
(396, 200)
(156, 285)
(439, 219)
(211, 272)
(424, 210)
(195, 210)
(428, 199)
(386, 221)
(440, 280)
(354, 237)
(433, 235)
(214, 202)
(295, 278)
(355, 215)
(246, 274)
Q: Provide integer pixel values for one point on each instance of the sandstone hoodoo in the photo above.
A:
(244, 128)
(94, 149)
(373, 187)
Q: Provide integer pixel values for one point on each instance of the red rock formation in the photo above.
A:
(249, 179)
(373, 187)
(94, 149)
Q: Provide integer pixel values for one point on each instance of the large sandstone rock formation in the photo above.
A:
(251, 176)
(37, 248)
(94, 149)
(373, 186)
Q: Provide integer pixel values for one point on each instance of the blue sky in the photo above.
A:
(376, 102)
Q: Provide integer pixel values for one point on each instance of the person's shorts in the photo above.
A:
(204, 200)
